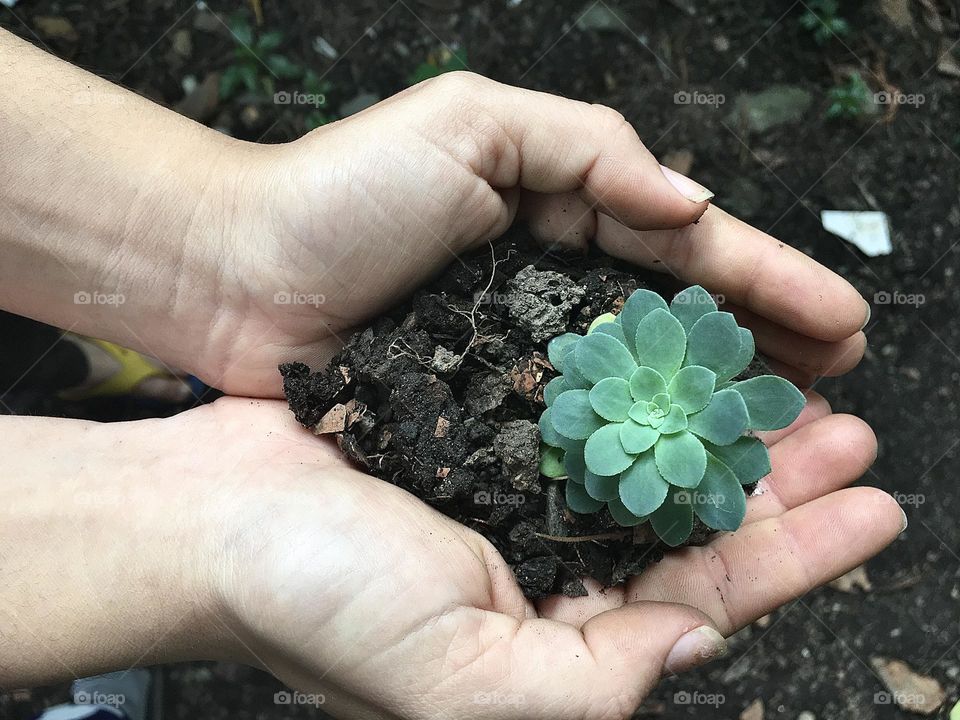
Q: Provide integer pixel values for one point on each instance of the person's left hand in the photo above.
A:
(347, 220)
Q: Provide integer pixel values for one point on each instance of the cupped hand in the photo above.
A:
(346, 586)
(357, 214)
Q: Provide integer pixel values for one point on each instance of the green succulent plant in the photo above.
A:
(646, 419)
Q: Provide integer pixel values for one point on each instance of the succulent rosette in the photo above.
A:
(647, 420)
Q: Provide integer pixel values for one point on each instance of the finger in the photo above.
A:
(816, 460)
(577, 611)
(800, 378)
(551, 670)
(816, 408)
(511, 136)
(742, 576)
(817, 357)
(563, 220)
(749, 268)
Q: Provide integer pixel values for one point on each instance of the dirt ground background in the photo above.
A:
(815, 657)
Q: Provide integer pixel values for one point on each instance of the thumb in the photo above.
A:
(605, 669)
(547, 144)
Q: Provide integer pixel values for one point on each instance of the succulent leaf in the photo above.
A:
(611, 399)
(574, 465)
(553, 388)
(747, 457)
(551, 462)
(640, 304)
(747, 350)
(619, 512)
(646, 383)
(571, 373)
(673, 521)
(604, 454)
(692, 387)
(723, 420)
(714, 343)
(674, 421)
(615, 329)
(558, 348)
(602, 487)
(719, 500)
(579, 501)
(690, 305)
(600, 320)
(548, 433)
(642, 487)
(572, 415)
(681, 459)
(661, 342)
(602, 356)
(772, 402)
(637, 438)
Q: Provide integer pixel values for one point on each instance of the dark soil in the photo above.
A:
(813, 654)
(442, 398)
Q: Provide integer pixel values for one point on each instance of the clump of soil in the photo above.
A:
(442, 397)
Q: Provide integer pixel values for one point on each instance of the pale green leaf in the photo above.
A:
(558, 348)
(603, 453)
(601, 487)
(615, 329)
(692, 304)
(548, 433)
(719, 500)
(748, 457)
(604, 319)
(640, 304)
(553, 388)
(674, 421)
(579, 501)
(692, 387)
(681, 459)
(772, 402)
(572, 415)
(723, 420)
(571, 373)
(622, 516)
(642, 488)
(661, 342)
(635, 438)
(611, 399)
(551, 462)
(573, 463)
(645, 383)
(714, 343)
(673, 521)
(747, 351)
(601, 356)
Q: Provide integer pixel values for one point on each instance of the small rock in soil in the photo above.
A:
(518, 447)
(770, 108)
(540, 302)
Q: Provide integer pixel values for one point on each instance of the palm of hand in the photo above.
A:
(351, 587)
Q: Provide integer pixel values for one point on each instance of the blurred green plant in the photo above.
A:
(256, 63)
(821, 18)
(646, 419)
(437, 63)
(850, 101)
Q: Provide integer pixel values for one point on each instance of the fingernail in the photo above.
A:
(691, 190)
(903, 522)
(696, 648)
(869, 313)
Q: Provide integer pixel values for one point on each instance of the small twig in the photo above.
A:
(586, 538)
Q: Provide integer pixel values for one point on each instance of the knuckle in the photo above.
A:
(457, 84)
(611, 120)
